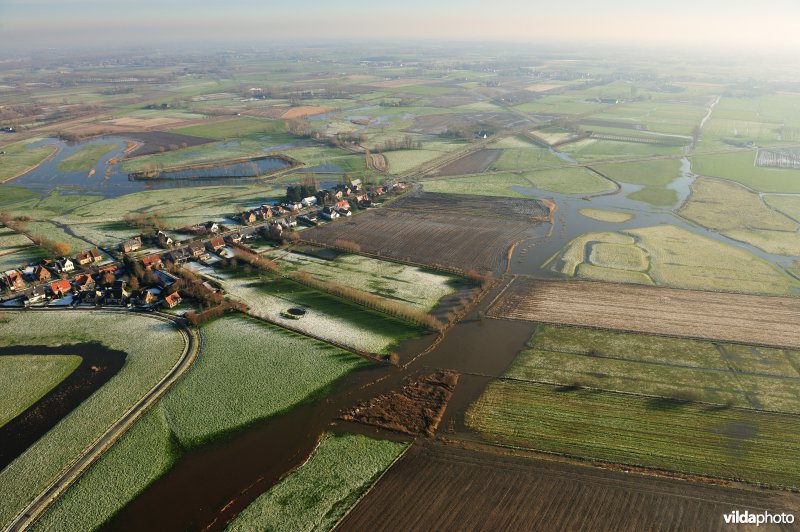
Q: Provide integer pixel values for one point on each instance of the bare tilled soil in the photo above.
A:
(451, 231)
(417, 409)
(443, 487)
(474, 163)
(752, 319)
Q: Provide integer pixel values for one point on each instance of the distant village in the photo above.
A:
(145, 272)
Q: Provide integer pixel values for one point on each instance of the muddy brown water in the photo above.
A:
(209, 486)
(97, 367)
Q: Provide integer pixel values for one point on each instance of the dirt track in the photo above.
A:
(751, 319)
(438, 487)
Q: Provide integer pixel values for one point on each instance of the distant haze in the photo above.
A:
(772, 25)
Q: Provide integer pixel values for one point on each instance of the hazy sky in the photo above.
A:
(771, 24)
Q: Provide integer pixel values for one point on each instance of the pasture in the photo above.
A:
(321, 491)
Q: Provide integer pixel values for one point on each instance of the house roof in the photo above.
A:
(60, 286)
(173, 299)
(83, 279)
(151, 260)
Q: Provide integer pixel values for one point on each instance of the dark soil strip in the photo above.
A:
(97, 367)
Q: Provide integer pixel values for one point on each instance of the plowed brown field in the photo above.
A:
(459, 232)
(751, 319)
(437, 487)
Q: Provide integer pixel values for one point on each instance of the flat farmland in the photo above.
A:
(763, 320)
(439, 230)
(437, 487)
(474, 163)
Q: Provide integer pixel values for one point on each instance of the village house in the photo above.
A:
(278, 210)
(150, 296)
(172, 300)
(13, 280)
(344, 204)
(355, 184)
(118, 294)
(212, 227)
(292, 206)
(165, 280)
(41, 274)
(329, 214)
(96, 255)
(65, 264)
(178, 256)
(34, 295)
(215, 244)
(151, 261)
(108, 269)
(248, 217)
(132, 244)
(60, 288)
(309, 201)
(164, 240)
(266, 212)
(83, 258)
(233, 238)
(196, 248)
(84, 282)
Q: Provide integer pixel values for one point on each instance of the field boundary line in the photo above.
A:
(373, 484)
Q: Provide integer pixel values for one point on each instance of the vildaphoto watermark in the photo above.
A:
(761, 518)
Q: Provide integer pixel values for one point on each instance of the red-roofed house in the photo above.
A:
(60, 288)
(84, 282)
(172, 300)
(151, 261)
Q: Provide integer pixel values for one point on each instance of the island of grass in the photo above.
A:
(157, 349)
(25, 379)
(654, 176)
(606, 216)
(688, 406)
(667, 255)
(246, 371)
(86, 158)
(323, 490)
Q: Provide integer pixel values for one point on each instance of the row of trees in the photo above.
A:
(405, 143)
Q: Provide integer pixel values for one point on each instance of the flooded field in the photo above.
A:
(97, 367)
(106, 179)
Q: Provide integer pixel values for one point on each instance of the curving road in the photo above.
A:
(192, 340)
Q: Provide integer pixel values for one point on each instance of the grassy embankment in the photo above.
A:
(156, 349)
(320, 492)
(18, 158)
(269, 372)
